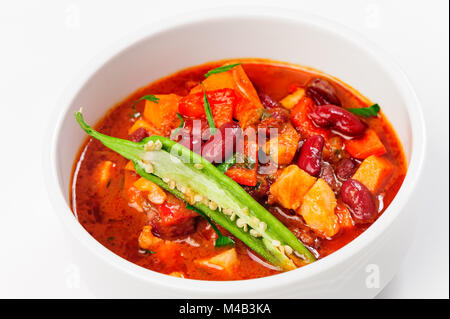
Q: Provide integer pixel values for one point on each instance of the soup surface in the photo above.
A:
(327, 178)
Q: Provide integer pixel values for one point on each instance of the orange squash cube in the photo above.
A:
(318, 207)
(140, 123)
(156, 194)
(283, 147)
(290, 187)
(163, 113)
(373, 172)
(292, 99)
(103, 174)
(226, 261)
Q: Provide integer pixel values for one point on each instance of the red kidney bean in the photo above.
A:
(360, 200)
(327, 174)
(310, 158)
(337, 118)
(139, 134)
(190, 141)
(274, 121)
(345, 169)
(321, 92)
(267, 101)
(223, 143)
(190, 135)
(280, 114)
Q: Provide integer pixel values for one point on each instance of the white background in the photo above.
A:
(44, 43)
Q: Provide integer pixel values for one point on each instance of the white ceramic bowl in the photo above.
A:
(360, 269)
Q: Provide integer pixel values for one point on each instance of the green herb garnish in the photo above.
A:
(150, 97)
(208, 112)
(221, 240)
(221, 69)
(366, 111)
(179, 126)
(223, 167)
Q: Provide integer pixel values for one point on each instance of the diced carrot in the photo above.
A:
(373, 172)
(290, 187)
(156, 194)
(249, 109)
(344, 216)
(130, 166)
(226, 261)
(363, 147)
(283, 147)
(245, 175)
(103, 175)
(147, 240)
(292, 99)
(163, 113)
(302, 122)
(318, 207)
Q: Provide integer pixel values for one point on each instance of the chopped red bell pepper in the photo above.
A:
(301, 121)
(222, 102)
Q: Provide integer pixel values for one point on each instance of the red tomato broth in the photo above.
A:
(109, 217)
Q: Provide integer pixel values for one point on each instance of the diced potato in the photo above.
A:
(226, 261)
(365, 146)
(141, 124)
(163, 114)
(156, 194)
(104, 170)
(147, 240)
(283, 147)
(318, 207)
(292, 99)
(373, 172)
(290, 187)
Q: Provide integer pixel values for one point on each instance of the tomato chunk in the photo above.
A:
(365, 146)
(172, 212)
(246, 173)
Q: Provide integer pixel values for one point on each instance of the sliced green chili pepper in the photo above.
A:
(221, 239)
(183, 173)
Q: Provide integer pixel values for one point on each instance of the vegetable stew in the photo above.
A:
(236, 170)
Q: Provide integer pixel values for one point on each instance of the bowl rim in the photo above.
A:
(229, 288)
